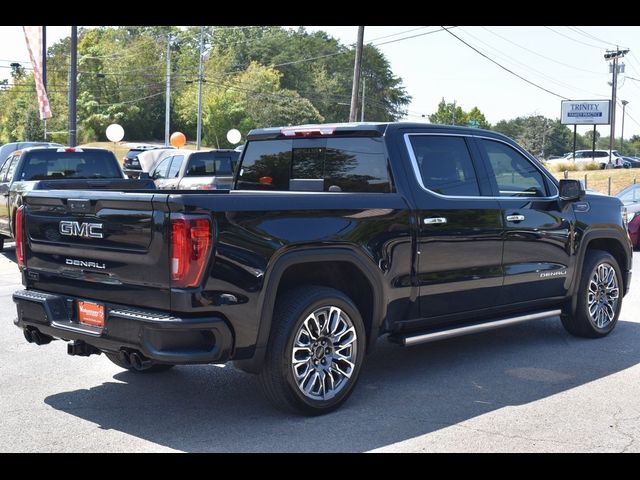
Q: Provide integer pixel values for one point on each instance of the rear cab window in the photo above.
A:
(208, 164)
(60, 164)
(334, 164)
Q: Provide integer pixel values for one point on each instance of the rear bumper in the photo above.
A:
(158, 335)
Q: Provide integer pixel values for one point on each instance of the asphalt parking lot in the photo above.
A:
(526, 388)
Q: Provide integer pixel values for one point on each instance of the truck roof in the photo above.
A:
(357, 128)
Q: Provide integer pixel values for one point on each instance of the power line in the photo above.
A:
(413, 36)
(539, 54)
(538, 73)
(573, 39)
(593, 37)
(502, 66)
(396, 34)
(130, 101)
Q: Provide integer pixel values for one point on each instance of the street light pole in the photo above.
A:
(167, 106)
(73, 79)
(624, 104)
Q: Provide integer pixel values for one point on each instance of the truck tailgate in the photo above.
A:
(78, 241)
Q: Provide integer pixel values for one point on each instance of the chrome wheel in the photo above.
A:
(324, 353)
(603, 295)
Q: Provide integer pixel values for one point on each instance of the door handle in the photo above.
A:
(515, 218)
(434, 220)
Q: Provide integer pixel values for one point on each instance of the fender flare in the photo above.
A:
(308, 255)
(604, 234)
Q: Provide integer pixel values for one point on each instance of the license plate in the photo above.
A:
(91, 313)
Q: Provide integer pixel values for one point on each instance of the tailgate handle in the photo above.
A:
(79, 205)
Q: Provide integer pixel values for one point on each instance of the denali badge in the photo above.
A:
(82, 263)
(77, 229)
(557, 273)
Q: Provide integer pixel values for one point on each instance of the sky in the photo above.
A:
(566, 60)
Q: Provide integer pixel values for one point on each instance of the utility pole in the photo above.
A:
(200, 74)
(357, 65)
(364, 85)
(544, 135)
(73, 78)
(624, 105)
(167, 105)
(44, 73)
(614, 55)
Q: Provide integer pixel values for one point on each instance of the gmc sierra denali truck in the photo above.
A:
(333, 236)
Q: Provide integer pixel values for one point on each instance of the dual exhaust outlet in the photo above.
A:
(33, 335)
(133, 359)
(129, 358)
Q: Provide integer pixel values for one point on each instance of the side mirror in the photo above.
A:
(144, 176)
(571, 190)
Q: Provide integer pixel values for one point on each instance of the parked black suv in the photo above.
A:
(333, 236)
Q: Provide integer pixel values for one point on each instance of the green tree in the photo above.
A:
(542, 136)
(478, 118)
(449, 114)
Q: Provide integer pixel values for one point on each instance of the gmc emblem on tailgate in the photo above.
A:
(78, 229)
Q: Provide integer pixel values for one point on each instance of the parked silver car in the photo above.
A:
(195, 170)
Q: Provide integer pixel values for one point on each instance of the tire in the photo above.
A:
(596, 283)
(154, 368)
(328, 384)
(2, 238)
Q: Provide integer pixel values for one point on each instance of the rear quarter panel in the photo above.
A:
(254, 230)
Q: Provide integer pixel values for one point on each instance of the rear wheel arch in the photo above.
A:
(299, 260)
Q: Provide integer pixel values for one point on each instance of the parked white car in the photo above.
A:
(601, 157)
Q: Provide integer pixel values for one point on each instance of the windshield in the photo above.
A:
(52, 164)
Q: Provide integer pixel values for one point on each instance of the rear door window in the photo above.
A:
(12, 167)
(174, 169)
(162, 169)
(4, 169)
(445, 165)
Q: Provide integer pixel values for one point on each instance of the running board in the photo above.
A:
(478, 327)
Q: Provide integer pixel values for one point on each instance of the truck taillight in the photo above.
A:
(19, 236)
(191, 242)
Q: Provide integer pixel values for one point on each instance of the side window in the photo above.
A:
(12, 167)
(445, 165)
(515, 175)
(174, 169)
(3, 170)
(162, 169)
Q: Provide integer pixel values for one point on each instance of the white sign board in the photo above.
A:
(585, 112)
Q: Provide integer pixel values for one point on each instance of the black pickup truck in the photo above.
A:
(333, 236)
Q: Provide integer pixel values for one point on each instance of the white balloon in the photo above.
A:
(115, 132)
(234, 136)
